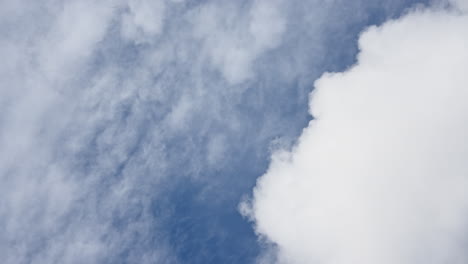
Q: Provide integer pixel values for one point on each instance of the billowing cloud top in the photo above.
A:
(381, 173)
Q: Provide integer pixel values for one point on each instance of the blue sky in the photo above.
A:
(137, 131)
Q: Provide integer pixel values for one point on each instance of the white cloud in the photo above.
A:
(101, 100)
(144, 20)
(51, 209)
(461, 4)
(381, 174)
(72, 37)
(90, 98)
(231, 48)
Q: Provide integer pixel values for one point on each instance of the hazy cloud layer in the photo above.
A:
(380, 175)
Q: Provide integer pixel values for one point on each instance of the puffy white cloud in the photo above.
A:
(381, 174)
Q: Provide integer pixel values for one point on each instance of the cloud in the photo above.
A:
(231, 48)
(108, 109)
(380, 174)
(97, 109)
(143, 20)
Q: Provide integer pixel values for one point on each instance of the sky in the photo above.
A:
(220, 131)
